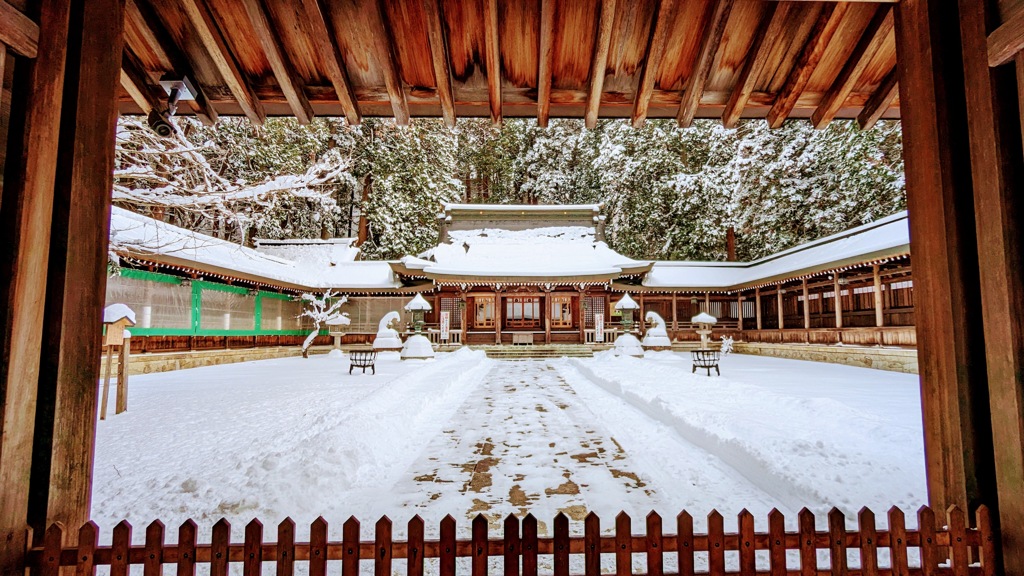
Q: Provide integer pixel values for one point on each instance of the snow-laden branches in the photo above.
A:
(322, 309)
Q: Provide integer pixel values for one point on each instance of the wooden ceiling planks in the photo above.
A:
(570, 58)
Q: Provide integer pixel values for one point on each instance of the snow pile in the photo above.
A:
(850, 442)
(657, 335)
(417, 347)
(387, 338)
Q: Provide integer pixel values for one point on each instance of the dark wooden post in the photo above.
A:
(936, 143)
(675, 310)
(29, 173)
(757, 306)
(778, 302)
(807, 306)
(497, 315)
(581, 315)
(66, 411)
(994, 120)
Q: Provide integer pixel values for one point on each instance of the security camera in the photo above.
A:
(160, 122)
(178, 88)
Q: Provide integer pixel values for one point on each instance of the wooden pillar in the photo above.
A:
(707, 302)
(837, 294)
(29, 175)
(76, 281)
(546, 315)
(581, 315)
(675, 311)
(757, 306)
(739, 313)
(877, 288)
(497, 316)
(807, 306)
(778, 301)
(995, 123)
(642, 311)
(936, 144)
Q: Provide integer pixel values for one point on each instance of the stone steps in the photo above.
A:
(529, 352)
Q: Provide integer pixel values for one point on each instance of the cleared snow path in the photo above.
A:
(528, 439)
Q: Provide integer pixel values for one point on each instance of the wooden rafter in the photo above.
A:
(709, 42)
(287, 78)
(198, 14)
(545, 61)
(599, 63)
(439, 60)
(18, 31)
(389, 67)
(142, 18)
(135, 82)
(1005, 42)
(492, 54)
(879, 101)
(330, 56)
(768, 32)
(824, 29)
(655, 52)
(873, 37)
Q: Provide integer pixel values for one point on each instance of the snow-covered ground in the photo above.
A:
(464, 434)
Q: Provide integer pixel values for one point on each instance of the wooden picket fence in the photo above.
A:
(956, 548)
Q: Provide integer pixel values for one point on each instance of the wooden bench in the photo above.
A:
(362, 359)
(522, 338)
(705, 359)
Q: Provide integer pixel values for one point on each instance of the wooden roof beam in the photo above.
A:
(878, 28)
(389, 66)
(810, 55)
(879, 101)
(492, 55)
(546, 57)
(330, 56)
(709, 42)
(206, 29)
(133, 79)
(655, 52)
(439, 59)
(768, 32)
(599, 63)
(18, 31)
(157, 40)
(287, 79)
(1006, 41)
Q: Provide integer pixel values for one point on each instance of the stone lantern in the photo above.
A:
(626, 305)
(627, 344)
(417, 345)
(334, 324)
(704, 322)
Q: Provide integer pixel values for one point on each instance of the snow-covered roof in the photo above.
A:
(311, 252)
(877, 240)
(536, 253)
(138, 236)
(523, 207)
(117, 311)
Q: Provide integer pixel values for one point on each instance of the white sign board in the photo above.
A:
(444, 324)
(598, 327)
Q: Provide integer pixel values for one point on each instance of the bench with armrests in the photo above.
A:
(362, 359)
(706, 360)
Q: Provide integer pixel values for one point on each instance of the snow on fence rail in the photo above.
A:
(954, 548)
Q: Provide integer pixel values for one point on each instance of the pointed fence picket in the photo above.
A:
(955, 548)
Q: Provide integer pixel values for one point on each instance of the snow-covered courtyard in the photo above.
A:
(464, 434)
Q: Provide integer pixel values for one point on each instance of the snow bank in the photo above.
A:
(814, 448)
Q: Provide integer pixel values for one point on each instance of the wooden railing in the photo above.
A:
(954, 548)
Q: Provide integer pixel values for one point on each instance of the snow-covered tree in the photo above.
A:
(322, 309)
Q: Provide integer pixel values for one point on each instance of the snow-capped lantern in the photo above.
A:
(418, 306)
(626, 305)
(704, 322)
(334, 324)
(417, 345)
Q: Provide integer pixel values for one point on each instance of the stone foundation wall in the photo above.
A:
(167, 361)
(892, 359)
